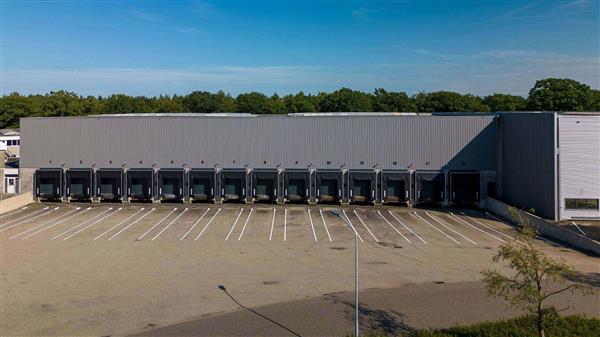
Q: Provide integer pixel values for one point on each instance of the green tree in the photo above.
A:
(448, 101)
(300, 103)
(277, 105)
(15, 106)
(166, 104)
(254, 103)
(556, 94)
(206, 102)
(122, 104)
(388, 101)
(62, 103)
(595, 106)
(503, 102)
(346, 100)
(535, 277)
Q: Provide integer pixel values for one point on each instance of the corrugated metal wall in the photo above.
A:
(579, 162)
(359, 142)
(526, 161)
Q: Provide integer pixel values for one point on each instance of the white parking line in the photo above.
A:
(93, 223)
(54, 224)
(408, 228)
(363, 223)
(120, 223)
(245, 224)
(27, 220)
(81, 224)
(234, 223)
(45, 223)
(491, 228)
(325, 225)
(432, 226)
(156, 224)
(397, 231)
(131, 224)
(272, 224)
(208, 224)
(450, 229)
(170, 223)
(194, 225)
(312, 225)
(285, 225)
(477, 228)
(352, 226)
(16, 211)
(577, 226)
(23, 217)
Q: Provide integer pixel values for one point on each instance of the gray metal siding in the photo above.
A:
(419, 142)
(527, 161)
(579, 162)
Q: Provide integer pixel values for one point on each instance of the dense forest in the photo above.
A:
(547, 95)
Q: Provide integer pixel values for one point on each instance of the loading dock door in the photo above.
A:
(329, 186)
(139, 184)
(429, 187)
(396, 186)
(170, 185)
(202, 185)
(79, 184)
(464, 187)
(49, 183)
(362, 186)
(233, 185)
(296, 185)
(108, 184)
(264, 185)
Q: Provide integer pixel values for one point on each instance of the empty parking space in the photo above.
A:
(105, 254)
(259, 224)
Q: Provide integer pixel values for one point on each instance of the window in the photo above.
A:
(581, 204)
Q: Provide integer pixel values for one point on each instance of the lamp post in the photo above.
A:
(356, 328)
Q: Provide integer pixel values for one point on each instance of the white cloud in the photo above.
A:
(509, 71)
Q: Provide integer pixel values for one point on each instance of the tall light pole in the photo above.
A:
(336, 213)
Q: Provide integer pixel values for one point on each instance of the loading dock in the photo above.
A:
(170, 184)
(264, 185)
(233, 185)
(79, 184)
(201, 184)
(329, 186)
(464, 187)
(430, 186)
(296, 185)
(362, 185)
(109, 183)
(396, 186)
(49, 184)
(139, 184)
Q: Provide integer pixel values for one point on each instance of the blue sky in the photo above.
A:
(168, 47)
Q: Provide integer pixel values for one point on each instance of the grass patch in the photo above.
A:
(568, 326)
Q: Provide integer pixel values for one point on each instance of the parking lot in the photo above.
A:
(112, 269)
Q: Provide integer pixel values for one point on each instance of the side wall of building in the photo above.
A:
(579, 163)
(353, 142)
(526, 173)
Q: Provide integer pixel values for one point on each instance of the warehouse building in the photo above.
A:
(338, 158)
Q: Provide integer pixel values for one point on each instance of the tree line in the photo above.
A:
(549, 94)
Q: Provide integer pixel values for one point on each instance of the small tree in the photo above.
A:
(536, 276)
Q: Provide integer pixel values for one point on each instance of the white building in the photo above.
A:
(10, 143)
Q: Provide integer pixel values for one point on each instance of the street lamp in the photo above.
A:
(336, 213)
